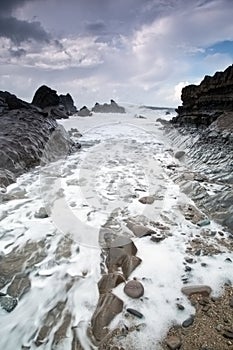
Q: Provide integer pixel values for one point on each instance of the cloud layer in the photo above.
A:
(131, 50)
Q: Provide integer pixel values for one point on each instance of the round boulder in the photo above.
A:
(134, 289)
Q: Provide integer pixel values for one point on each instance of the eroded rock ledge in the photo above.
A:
(204, 103)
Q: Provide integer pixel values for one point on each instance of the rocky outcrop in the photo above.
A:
(59, 107)
(68, 103)
(25, 130)
(113, 107)
(204, 103)
(84, 112)
(45, 97)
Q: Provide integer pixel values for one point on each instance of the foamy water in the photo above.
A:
(123, 158)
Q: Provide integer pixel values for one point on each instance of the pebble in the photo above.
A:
(188, 322)
(134, 312)
(203, 223)
(134, 289)
(180, 307)
(188, 268)
(147, 200)
(188, 260)
(173, 342)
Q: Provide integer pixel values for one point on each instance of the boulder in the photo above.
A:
(202, 289)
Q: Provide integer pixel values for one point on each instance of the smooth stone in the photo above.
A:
(134, 289)
(188, 268)
(179, 154)
(203, 223)
(180, 307)
(147, 200)
(173, 342)
(188, 322)
(134, 312)
(196, 289)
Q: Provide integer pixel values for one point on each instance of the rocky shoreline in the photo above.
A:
(26, 128)
(203, 130)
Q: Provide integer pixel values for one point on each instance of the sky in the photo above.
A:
(134, 51)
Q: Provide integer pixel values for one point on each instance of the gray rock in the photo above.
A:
(197, 289)
(8, 303)
(134, 312)
(84, 112)
(134, 289)
(179, 154)
(108, 307)
(188, 322)
(203, 222)
(113, 107)
(147, 200)
(41, 213)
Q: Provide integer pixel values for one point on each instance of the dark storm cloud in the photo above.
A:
(7, 6)
(18, 30)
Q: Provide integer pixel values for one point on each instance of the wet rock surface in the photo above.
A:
(25, 130)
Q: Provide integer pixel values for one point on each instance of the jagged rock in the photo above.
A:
(113, 107)
(204, 103)
(140, 230)
(84, 112)
(130, 264)
(68, 103)
(108, 307)
(10, 102)
(134, 289)
(45, 97)
(110, 281)
(19, 286)
(8, 303)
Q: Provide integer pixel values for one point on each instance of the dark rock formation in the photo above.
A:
(25, 130)
(68, 103)
(56, 106)
(113, 107)
(204, 103)
(84, 112)
(45, 97)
